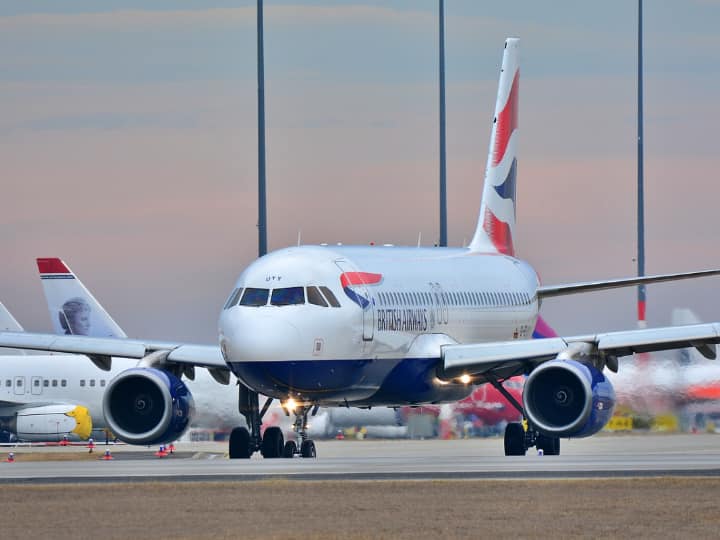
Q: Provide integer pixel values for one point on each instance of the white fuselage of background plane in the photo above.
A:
(72, 379)
(382, 346)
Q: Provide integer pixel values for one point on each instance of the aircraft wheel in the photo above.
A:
(272, 443)
(307, 449)
(514, 439)
(290, 449)
(239, 443)
(549, 445)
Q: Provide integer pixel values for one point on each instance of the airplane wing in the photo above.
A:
(500, 360)
(547, 291)
(208, 356)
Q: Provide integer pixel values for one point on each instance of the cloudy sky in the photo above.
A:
(128, 144)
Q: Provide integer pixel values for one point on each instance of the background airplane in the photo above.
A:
(39, 404)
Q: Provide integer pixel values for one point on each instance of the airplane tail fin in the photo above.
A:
(496, 222)
(73, 309)
(7, 321)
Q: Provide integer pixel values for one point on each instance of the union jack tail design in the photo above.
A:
(496, 223)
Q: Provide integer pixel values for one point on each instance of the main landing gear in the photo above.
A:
(517, 438)
(245, 442)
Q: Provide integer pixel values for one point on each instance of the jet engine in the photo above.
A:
(567, 398)
(46, 423)
(147, 406)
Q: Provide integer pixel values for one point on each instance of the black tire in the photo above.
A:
(240, 443)
(272, 443)
(307, 449)
(515, 439)
(290, 449)
(549, 445)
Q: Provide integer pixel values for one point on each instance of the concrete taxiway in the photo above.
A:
(600, 456)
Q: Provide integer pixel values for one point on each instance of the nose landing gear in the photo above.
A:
(302, 445)
(245, 442)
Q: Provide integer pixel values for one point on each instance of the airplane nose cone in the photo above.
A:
(254, 336)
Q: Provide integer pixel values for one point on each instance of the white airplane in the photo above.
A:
(320, 326)
(39, 404)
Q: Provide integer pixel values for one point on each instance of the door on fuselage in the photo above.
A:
(361, 290)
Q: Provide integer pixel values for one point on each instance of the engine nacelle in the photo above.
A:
(46, 423)
(565, 398)
(147, 406)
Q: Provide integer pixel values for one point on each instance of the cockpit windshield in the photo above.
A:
(254, 297)
(288, 296)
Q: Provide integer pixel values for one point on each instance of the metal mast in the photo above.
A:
(443, 180)
(641, 193)
(262, 217)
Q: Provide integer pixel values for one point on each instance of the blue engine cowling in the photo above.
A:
(147, 406)
(565, 398)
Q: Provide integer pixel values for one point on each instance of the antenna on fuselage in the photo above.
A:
(443, 179)
(262, 217)
(640, 188)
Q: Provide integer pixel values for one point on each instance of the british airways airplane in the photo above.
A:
(320, 326)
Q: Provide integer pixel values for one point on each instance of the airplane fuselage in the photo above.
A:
(381, 346)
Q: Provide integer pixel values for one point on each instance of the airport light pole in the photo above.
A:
(640, 176)
(443, 179)
(262, 214)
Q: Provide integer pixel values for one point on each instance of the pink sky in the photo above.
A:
(146, 183)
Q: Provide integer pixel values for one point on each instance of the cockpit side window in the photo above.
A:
(254, 297)
(288, 296)
(330, 296)
(233, 298)
(314, 297)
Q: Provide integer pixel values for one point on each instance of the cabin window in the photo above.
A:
(330, 296)
(63, 383)
(233, 298)
(8, 382)
(36, 382)
(102, 382)
(92, 382)
(46, 383)
(254, 297)
(54, 383)
(315, 298)
(19, 383)
(82, 382)
(288, 296)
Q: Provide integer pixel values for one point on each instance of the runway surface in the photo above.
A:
(600, 456)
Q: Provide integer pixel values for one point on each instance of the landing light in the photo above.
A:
(290, 405)
(465, 379)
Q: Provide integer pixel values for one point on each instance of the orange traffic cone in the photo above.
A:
(107, 456)
(171, 448)
(162, 452)
(11, 458)
(90, 446)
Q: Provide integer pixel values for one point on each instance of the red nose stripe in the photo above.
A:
(359, 278)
